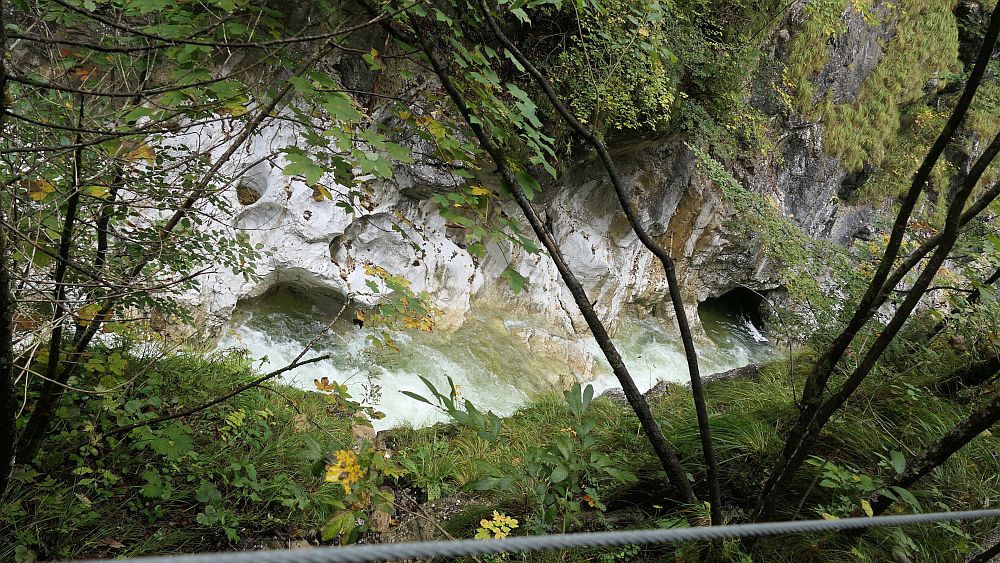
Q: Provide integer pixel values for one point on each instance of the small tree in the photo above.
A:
(103, 218)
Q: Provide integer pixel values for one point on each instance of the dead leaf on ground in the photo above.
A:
(110, 542)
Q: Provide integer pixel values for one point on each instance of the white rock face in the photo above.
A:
(320, 247)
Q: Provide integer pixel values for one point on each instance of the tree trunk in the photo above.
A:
(664, 452)
(51, 391)
(937, 453)
(673, 285)
(7, 307)
(971, 374)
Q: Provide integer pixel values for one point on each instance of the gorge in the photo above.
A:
(347, 271)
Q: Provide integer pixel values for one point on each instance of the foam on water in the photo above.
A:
(486, 358)
(275, 332)
(651, 353)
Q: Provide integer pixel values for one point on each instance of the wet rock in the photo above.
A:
(615, 394)
(750, 372)
(658, 391)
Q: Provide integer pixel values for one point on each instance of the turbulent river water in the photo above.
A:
(486, 356)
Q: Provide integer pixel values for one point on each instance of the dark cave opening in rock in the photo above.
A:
(737, 318)
(740, 302)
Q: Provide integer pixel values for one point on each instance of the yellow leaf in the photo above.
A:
(143, 151)
(320, 192)
(985, 434)
(99, 192)
(39, 189)
(827, 516)
(234, 109)
(867, 507)
(480, 190)
(323, 384)
(88, 312)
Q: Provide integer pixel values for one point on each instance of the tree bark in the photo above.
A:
(7, 308)
(937, 453)
(808, 431)
(799, 436)
(988, 555)
(673, 285)
(50, 393)
(971, 374)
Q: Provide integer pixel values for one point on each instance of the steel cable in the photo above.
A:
(458, 548)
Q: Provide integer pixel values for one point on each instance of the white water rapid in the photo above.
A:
(486, 357)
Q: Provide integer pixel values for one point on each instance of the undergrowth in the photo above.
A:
(223, 477)
(896, 413)
(242, 475)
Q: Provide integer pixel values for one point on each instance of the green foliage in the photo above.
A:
(561, 476)
(849, 487)
(619, 70)
(431, 468)
(657, 66)
(242, 469)
(879, 128)
(186, 485)
(565, 471)
(362, 474)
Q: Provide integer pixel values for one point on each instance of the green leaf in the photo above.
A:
(154, 484)
(399, 153)
(417, 397)
(339, 106)
(208, 493)
(341, 524)
(300, 164)
(514, 279)
(528, 183)
(898, 461)
(559, 474)
(525, 104)
(908, 497)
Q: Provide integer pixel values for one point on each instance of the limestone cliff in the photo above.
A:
(320, 248)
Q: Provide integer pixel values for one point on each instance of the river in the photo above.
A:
(486, 356)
